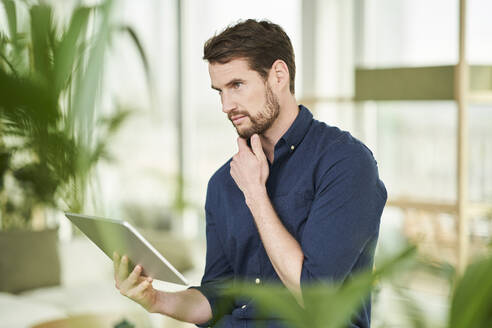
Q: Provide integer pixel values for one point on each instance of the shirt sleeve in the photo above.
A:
(218, 272)
(343, 223)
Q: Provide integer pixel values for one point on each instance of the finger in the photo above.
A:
(242, 145)
(257, 148)
(123, 269)
(133, 277)
(140, 288)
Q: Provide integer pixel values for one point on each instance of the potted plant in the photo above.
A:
(51, 135)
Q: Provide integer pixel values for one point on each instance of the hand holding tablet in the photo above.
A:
(133, 285)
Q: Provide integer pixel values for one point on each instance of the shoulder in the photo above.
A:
(335, 146)
(344, 160)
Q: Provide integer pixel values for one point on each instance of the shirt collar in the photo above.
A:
(299, 127)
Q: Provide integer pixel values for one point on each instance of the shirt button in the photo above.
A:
(257, 281)
(292, 147)
(243, 307)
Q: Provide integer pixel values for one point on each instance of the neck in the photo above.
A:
(287, 115)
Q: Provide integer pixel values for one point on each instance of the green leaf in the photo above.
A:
(114, 121)
(89, 81)
(9, 64)
(39, 180)
(10, 12)
(68, 49)
(326, 304)
(41, 36)
(4, 165)
(136, 40)
(26, 104)
(471, 305)
(270, 301)
(413, 312)
(11, 18)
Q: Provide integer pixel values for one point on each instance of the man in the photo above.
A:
(300, 202)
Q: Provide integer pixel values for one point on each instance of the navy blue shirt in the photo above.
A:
(325, 188)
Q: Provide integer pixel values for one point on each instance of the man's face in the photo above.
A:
(247, 99)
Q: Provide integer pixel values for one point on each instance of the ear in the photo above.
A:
(279, 75)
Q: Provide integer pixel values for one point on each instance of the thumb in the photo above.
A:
(256, 145)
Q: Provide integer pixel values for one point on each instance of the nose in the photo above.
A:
(227, 103)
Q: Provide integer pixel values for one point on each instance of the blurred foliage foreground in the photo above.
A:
(51, 133)
(331, 305)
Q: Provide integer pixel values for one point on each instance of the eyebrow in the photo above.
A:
(228, 84)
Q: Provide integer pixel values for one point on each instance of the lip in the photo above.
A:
(237, 119)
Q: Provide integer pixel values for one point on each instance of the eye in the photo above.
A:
(236, 85)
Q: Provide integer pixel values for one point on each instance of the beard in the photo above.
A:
(264, 119)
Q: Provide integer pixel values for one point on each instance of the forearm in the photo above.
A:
(188, 305)
(283, 250)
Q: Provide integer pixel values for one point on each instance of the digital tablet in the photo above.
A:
(119, 236)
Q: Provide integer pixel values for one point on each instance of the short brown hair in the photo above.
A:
(261, 43)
